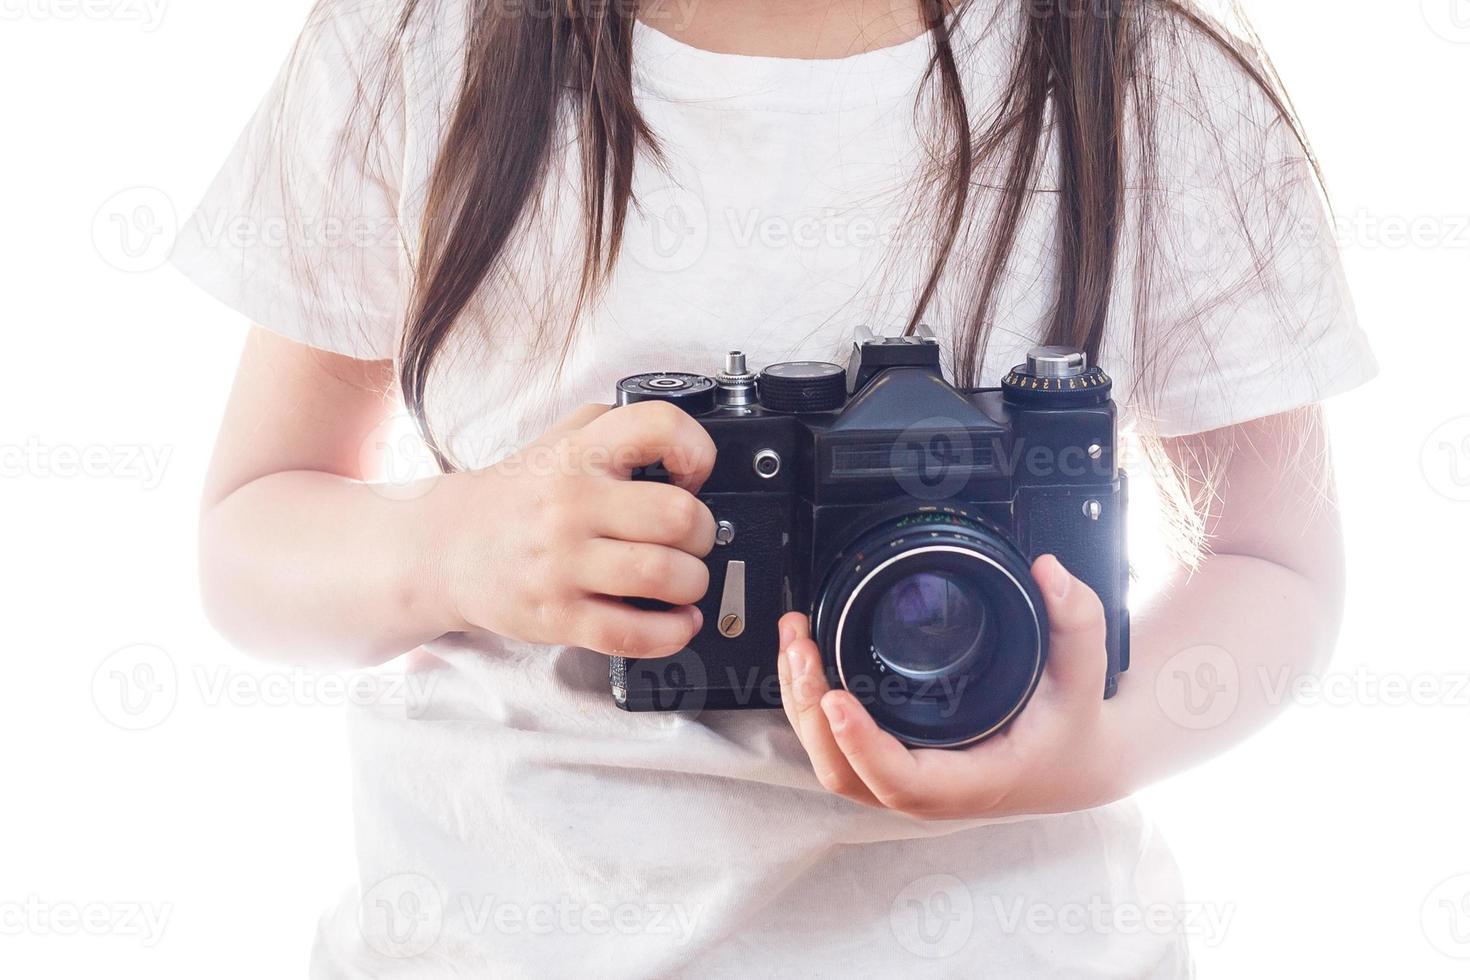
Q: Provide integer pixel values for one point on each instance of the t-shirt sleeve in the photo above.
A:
(300, 231)
(1246, 306)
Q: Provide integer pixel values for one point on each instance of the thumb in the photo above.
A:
(1077, 664)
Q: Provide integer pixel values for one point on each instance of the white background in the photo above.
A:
(1330, 844)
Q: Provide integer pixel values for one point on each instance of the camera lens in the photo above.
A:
(933, 622)
(929, 623)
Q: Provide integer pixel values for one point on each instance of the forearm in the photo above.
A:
(1212, 657)
(314, 568)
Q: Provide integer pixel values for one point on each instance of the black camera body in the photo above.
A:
(903, 515)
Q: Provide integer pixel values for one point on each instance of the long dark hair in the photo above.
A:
(1078, 86)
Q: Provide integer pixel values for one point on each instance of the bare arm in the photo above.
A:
(1216, 649)
(1210, 655)
(303, 559)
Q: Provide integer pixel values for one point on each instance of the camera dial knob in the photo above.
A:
(736, 381)
(694, 393)
(1055, 362)
(798, 387)
(1056, 376)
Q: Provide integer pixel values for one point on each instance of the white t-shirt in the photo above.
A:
(511, 822)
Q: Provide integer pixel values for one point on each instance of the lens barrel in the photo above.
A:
(934, 623)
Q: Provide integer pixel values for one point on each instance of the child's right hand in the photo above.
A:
(543, 546)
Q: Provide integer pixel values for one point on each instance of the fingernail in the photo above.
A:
(810, 683)
(796, 662)
(786, 636)
(836, 713)
(698, 618)
(1061, 580)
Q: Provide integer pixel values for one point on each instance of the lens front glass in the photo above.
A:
(933, 622)
(929, 623)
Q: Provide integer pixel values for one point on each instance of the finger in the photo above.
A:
(652, 432)
(789, 627)
(888, 769)
(655, 513)
(802, 691)
(933, 784)
(1077, 662)
(581, 416)
(617, 629)
(645, 571)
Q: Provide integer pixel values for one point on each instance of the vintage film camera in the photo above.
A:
(903, 514)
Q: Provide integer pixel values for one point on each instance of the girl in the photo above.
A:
(494, 210)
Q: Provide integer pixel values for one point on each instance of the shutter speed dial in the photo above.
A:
(1055, 362)
(1057, 376)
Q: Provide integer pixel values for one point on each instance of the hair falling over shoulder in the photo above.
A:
(1082, 89)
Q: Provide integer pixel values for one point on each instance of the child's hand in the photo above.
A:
(1056, 755)
(542, 546)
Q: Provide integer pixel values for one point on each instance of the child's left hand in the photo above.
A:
(1056, 756)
